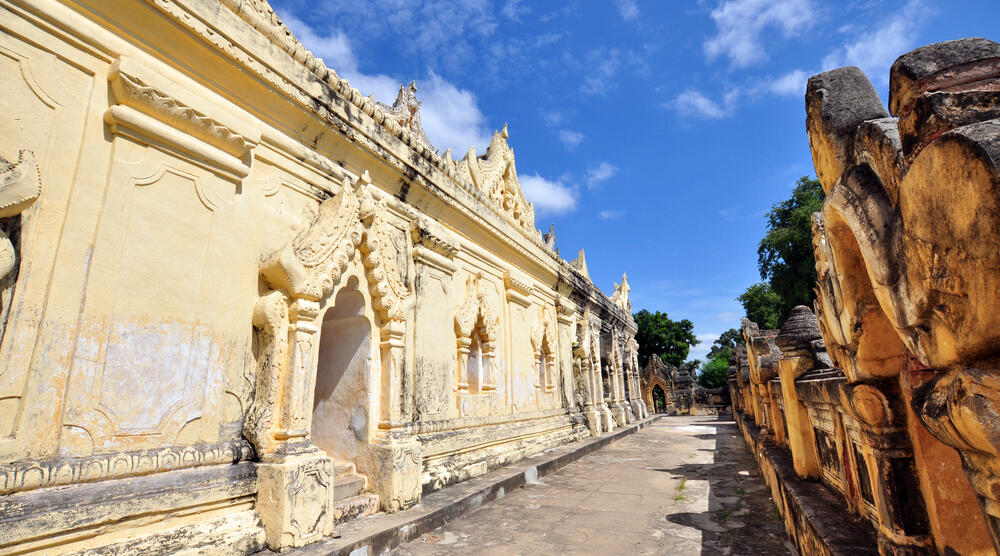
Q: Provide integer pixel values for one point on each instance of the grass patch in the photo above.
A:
(740, 491)
(683, 484)
(678, 497)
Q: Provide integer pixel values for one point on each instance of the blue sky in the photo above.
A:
(654, 134)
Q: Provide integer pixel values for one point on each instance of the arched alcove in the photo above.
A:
(659, 399)
(340, 413)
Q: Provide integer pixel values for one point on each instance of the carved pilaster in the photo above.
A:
(397, 384)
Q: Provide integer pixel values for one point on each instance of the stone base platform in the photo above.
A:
(816, 521)
(380, 533)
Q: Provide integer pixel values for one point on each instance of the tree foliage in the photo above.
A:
(725, 344)
(659, 335)
(713, 373)
(785, 258)
(762, 305)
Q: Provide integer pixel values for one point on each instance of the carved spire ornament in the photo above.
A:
(495, 175)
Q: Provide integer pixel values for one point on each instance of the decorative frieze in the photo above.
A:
(29, 475)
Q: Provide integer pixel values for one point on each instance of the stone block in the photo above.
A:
(294, 500)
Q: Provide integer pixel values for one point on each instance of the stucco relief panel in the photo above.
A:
(139, 380)
(46, 100)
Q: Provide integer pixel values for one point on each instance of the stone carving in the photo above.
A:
(620, 297)
(405, 110)
(518, 288)
(425, 233)
(208, 338)
(580, 263)
(914, 202)
(476, 328)
(156, 113)
(549, 238)
(20, 186)
(543, 345)
(130, 90)
(29, 475)
(496, 176)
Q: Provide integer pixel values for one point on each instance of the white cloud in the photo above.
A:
(447, 30)
(604, 64)
(611, 214)
(628, 9)
(450, 115)
(601, 174)
(513, 10)
(571, 139)
(553, 118)
(692, 103)
(728, 317)
(740, 24)
(701, 350)
(791, 84)
(548, 197)
(334, 49)
(875, 49)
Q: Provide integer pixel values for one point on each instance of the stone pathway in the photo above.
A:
(683, 485)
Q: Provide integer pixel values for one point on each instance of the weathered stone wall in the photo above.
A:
(899, 418)
(240, 301)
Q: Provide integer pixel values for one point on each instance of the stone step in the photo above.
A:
(347, 486)
(354, 507)
(340, 469)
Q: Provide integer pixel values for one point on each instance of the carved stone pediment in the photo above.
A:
(496, 176)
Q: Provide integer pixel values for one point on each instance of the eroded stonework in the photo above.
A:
(888, 394)
(242, 303)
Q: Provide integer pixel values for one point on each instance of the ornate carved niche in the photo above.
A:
(477, 327)
(496, 176)
(543, 348)
(302, 273)
(20, 186)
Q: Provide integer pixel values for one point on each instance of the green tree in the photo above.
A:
(763, 305)
(713, 373)
(726, 344)
(659, 335)
(785, 255)
(785, 258)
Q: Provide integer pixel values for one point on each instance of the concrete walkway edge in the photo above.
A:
(385, 532)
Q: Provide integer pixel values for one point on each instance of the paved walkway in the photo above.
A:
(683, 485)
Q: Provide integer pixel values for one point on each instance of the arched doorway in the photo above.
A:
(659, 399)
(340, 407)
